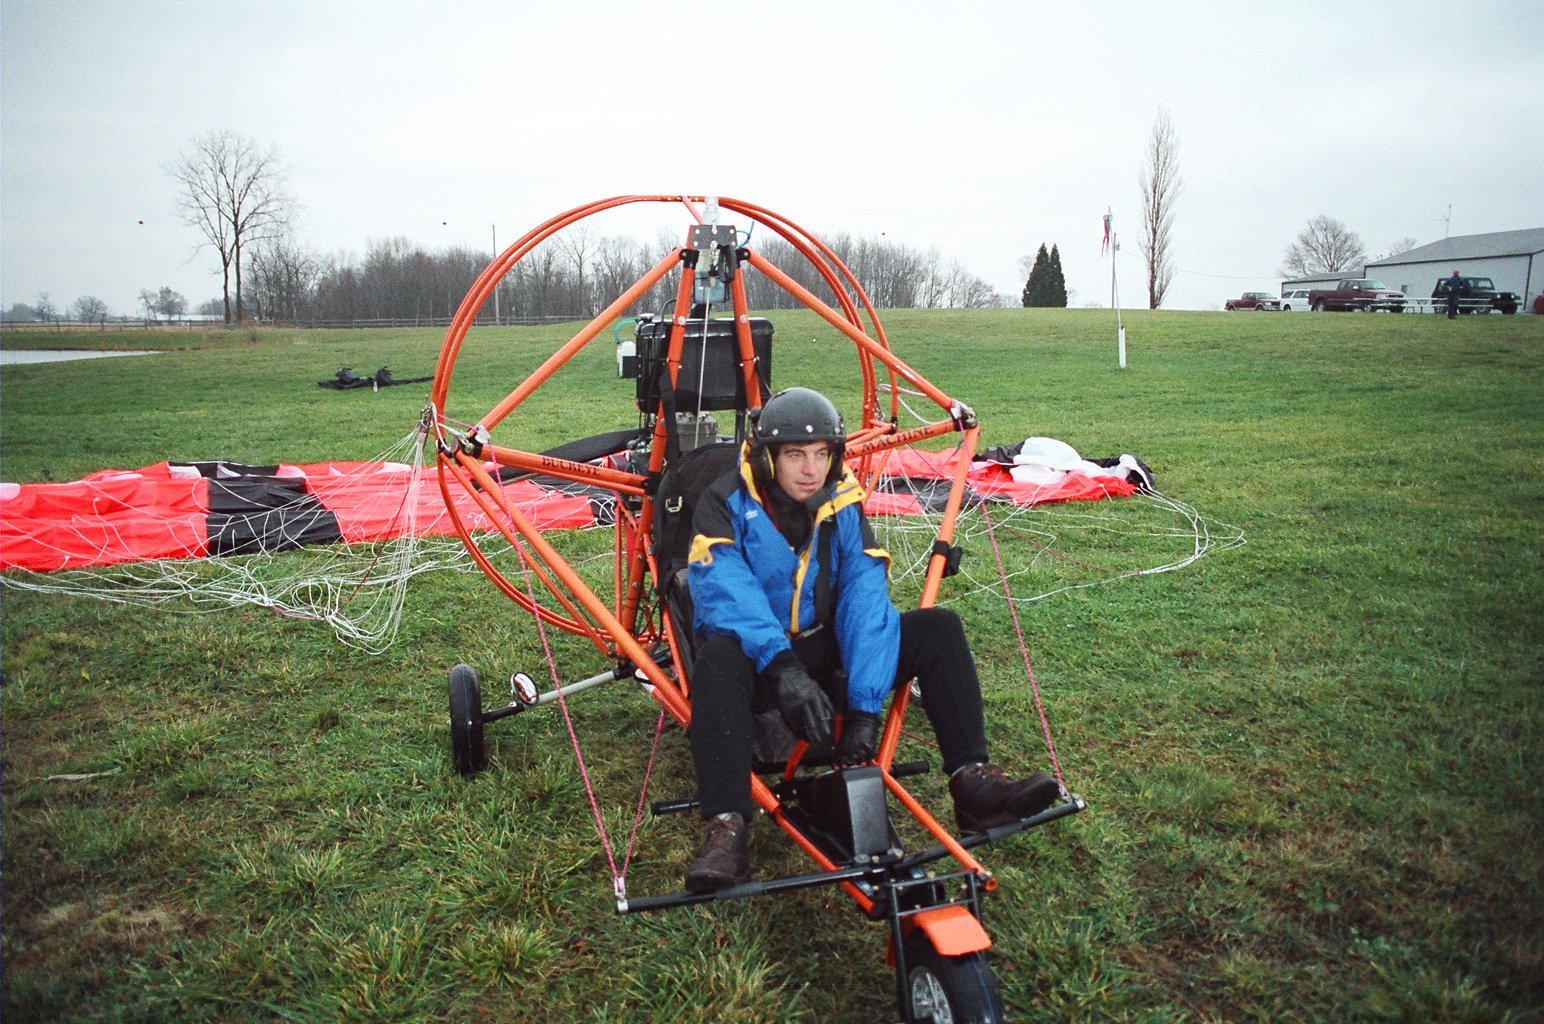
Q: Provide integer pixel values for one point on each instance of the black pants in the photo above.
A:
(725, 694)
(1452, 307)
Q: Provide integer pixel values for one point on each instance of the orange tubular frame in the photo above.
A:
(465, 456)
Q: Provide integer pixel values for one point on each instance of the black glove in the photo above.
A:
(860, 738)
(804, 705)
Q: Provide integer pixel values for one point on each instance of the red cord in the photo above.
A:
(1045, 726)
(618, 877)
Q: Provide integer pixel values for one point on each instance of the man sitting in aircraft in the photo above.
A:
(792, 611)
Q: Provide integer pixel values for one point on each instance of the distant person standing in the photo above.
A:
(1455, 284)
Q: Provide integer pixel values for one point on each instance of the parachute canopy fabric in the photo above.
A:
(911, 475)
(216, 508)
(195, 510)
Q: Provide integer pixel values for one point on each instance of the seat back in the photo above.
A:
(680, 489)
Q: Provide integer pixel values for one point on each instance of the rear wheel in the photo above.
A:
(467, 752)
(1318, 307)
(950, 989)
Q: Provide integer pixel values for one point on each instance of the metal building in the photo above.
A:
(1514, 260)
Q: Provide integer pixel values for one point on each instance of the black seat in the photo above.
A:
(680, 488)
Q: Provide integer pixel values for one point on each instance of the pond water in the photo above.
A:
(9, 356)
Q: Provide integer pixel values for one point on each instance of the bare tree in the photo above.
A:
(1325, 246)
(45, 309)
(932, 287)
(1160, 183)
(1399, 246)
(576, 244)
(618, 262)
(232, 191)
(90, 309)
(164, 303)
(283, 278)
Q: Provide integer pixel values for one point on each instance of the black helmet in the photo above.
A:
(797, 416)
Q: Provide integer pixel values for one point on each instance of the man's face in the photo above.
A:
(800, 469)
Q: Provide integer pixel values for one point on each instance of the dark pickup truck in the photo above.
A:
(1361, 294)
(1475, 295)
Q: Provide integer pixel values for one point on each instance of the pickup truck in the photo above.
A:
(1475, 295)
(1360, 294)
(1253, 300)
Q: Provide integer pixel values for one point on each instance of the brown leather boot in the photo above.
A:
(723, 860)
(985, 796)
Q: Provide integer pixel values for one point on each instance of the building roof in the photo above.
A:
(1529, 241)
(1328, 277)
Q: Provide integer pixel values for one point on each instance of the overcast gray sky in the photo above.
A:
(982, 128)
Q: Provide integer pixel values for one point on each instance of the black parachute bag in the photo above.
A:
(680, 488)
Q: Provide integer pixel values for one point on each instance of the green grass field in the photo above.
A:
(1311, 762)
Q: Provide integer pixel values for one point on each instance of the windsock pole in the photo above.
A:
(1112, 244)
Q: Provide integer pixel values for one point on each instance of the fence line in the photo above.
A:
(146, 324)
(1414, 305)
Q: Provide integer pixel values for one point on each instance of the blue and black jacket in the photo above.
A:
(748, 582)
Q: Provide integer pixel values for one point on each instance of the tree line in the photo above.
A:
(233, 191)
(575, 274)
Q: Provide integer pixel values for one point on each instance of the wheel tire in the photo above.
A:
(951, 989)
(467, 752)
(1318, 307)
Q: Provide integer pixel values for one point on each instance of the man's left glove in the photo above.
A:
(860, 738)
(805, 707)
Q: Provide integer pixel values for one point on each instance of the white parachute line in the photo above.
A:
(901, 396)
(1153, 522)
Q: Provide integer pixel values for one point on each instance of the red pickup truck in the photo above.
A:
(1253, 300)
(1361, 294)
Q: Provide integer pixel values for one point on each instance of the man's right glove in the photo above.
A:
(860, 738)
(805, 707)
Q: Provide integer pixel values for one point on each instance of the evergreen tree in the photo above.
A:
(1035, 287)
(1056, 283)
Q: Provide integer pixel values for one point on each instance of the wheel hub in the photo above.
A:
(928, 999)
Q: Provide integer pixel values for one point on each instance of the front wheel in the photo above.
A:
(950, 989)
(467, 752)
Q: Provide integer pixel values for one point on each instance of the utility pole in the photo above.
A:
(496, 283)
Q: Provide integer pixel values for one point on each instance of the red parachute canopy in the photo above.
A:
(202, 509)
